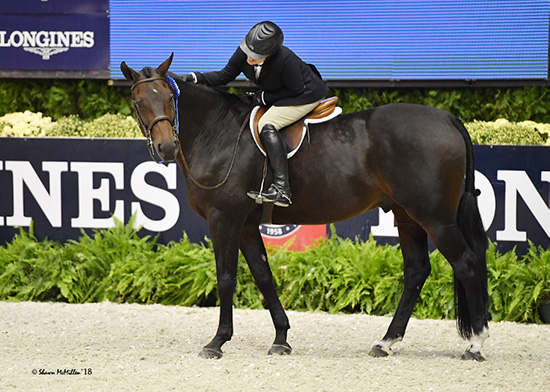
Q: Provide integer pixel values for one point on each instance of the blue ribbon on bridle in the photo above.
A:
(174, 85)
(176, 95)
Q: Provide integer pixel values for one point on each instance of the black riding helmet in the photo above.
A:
(264, 39)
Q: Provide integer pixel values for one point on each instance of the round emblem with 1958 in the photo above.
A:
(278, 231)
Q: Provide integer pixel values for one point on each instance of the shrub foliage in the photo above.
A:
(57, 98)
(469, 104)
(90, 99)
(336, 275)
(117, 125)
(505, 132)
(35, 124)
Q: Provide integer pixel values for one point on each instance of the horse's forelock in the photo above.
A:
(147, 72)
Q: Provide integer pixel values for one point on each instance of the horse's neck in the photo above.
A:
(208, 117)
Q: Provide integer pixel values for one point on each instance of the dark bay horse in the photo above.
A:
(410, 159)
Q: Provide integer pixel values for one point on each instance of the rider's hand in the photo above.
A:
(190, 78)
(258, 98)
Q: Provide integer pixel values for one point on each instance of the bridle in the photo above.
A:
(147, 129)
(175, 125)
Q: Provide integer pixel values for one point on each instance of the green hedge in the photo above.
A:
(504, 132)
(469, 104)
(35, 124)
(56, 98)
(70, 105)
(337, 275)
(90, 99)
(117, 125)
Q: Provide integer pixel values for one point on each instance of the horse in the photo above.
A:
(416, 161)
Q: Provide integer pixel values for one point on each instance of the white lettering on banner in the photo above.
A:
(518, 182)
(164, 199)
(87, 193)
(48, 197)
(47, 43)
(50, 39)
(386, 225)
(486, 201)
(50, 203)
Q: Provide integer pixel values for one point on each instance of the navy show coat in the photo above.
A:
(285, 79)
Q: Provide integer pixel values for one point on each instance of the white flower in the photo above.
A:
(25, 124)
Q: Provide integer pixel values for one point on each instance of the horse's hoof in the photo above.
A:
(470, 356)
(210, 353)
(378, 352)
(280, 349)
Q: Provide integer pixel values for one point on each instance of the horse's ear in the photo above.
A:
(128, 72)
(163, 68)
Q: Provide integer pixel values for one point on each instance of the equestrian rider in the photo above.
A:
(289, 87)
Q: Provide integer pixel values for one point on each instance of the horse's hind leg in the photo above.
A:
(414, 246)
(253, 249)
(470, 290)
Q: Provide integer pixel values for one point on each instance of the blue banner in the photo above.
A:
(54, 6)
(375, 41)
(347, 39)
(61, 35)
(67, 185)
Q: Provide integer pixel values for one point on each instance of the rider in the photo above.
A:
(289, 87)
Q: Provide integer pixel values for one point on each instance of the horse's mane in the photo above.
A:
(235, 96)
(222, 107)
(231, 98)
(149, 72)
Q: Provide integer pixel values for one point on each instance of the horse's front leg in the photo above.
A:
(252, 247)
(225, 240)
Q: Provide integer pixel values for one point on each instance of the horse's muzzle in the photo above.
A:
(168, 151)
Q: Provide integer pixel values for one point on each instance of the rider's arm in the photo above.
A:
(227, 74)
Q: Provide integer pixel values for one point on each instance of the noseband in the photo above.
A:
(173, 121)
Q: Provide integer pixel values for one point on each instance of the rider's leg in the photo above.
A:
(283, 116)
(279, 191)
(276, 118)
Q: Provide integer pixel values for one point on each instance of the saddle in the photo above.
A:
(294, 134)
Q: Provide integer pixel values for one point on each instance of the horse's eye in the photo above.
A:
(138, 104)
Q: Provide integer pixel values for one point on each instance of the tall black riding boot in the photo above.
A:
(279, 191)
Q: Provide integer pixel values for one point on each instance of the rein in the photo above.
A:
(175, 125)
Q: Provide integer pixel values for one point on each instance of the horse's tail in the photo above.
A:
(470, 224)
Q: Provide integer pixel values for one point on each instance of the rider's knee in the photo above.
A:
(267, 126)
(262, 123)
